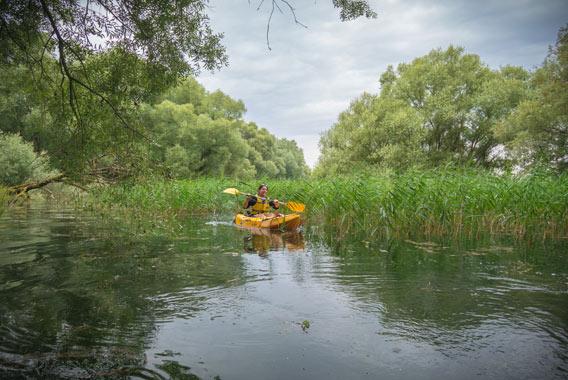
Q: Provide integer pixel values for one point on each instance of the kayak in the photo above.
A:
(286, 222)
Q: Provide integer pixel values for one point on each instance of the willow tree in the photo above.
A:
(77, 70)
(537, 132)
(440, 108)
(201, 133)
(373, 132)
(85, 66)
(460, 100)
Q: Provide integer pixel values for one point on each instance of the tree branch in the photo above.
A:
(23, 189)
(62, 59)
(276, 6)
(73, 101)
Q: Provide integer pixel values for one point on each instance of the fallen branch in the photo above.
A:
(49, 192)
(23, 189)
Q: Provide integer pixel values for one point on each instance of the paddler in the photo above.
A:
(260, 203)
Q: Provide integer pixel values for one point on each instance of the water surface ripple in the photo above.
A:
(83, 297)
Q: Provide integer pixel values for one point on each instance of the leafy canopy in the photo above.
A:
(537, 132)
(440, 108)
(75, 73)
(85, 66)
(199, 133)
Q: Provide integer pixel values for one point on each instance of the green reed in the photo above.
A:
(203, 195)
(442, 202)
(435, 202)
(4, 198)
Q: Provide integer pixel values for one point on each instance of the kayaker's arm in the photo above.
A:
(249, 201)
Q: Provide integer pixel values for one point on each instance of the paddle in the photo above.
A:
(293, 206)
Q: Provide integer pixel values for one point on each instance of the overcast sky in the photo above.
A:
(297, 89)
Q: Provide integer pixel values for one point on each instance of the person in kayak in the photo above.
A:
(260, 203)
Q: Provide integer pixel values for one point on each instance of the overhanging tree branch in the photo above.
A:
(23, 189)
(62, 60)
(350, 10)
(66, 72)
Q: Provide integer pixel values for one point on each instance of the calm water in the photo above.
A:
(80, 298)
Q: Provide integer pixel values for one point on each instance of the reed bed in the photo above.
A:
(436, 202)
(204, 195)
(4, 198)
(442, 203)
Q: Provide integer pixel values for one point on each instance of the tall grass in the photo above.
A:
(427, 202)
(441, 202)
(179, 197)
(4, 199)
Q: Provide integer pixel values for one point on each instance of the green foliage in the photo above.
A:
(432, 202)
(436, 202)
(78, 98)
(200, 133)
(76, 137)
(290, 159)
(167, 35)
(380, 132)
(459, 100)
(272, 157)
(440, 108)
(352, 9)
(200, 195)
(537, 132)
(449, 202)
(18, 161)
(197, 133)
(4, 198)
(217, 104)
(192, 145)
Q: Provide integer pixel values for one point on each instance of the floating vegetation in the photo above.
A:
(305, 325)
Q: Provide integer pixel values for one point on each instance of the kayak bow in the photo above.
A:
(286, 222)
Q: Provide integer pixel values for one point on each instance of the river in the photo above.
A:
(83, 297)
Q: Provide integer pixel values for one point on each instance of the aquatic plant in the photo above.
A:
(432, 202)
(204, 195)
(442, 202)
(4, 198)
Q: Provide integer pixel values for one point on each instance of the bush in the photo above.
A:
(18, 161)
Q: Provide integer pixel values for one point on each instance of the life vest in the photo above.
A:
(261, 206)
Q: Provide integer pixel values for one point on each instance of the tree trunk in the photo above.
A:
(22, 190)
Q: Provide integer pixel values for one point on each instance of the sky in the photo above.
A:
(298, 87)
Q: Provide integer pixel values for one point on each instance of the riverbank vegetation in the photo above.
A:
(446, 146)
(427, 202)
(93, 87)
(444, 202)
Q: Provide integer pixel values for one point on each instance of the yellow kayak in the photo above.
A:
(286, 222)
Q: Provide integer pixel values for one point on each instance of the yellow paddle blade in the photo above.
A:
(231, 190)
(296, 207)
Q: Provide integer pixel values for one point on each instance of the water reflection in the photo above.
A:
(463, 300)
(81, 298)
(262, 241)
